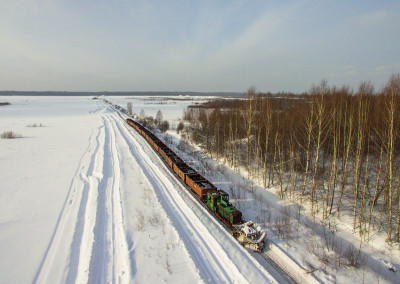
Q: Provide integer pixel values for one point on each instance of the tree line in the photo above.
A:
(148, 120)
(332, 150)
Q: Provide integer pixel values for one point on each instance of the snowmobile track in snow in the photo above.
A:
(91, 221)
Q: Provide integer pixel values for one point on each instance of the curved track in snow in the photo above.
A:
(90, 244)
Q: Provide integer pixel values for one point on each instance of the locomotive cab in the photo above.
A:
(212, 200)
(224, 201)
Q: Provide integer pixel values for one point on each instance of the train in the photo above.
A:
(215, 200)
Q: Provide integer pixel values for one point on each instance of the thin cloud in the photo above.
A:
(194, 45)
(373, 19)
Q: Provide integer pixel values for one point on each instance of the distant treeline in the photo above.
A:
(281, 102)
(159, 94)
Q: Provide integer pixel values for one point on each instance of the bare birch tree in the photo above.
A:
(248, 119)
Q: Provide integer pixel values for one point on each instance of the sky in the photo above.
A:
(205, 46)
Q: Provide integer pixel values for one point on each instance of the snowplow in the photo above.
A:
(249, 236)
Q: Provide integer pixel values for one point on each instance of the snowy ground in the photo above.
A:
(172, 107)
(84, 199)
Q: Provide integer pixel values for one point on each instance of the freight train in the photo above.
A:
(217, 201)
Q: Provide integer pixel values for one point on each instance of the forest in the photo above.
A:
(333, 151)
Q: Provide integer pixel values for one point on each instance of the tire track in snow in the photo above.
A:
(110, 256)
(81, 243)
(89, 244)
(109, 260)
(120, 248)
(209, 256)
(68, 222)
(99, 258)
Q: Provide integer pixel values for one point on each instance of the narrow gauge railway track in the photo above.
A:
(265, 258)
(217, 258)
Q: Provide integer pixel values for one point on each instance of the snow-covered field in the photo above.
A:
(172, 107)
(84, 199)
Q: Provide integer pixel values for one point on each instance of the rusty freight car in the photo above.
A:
(199, 185)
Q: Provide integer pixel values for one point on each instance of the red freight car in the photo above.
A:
(199, 185)
(182, 170)
(171, 158)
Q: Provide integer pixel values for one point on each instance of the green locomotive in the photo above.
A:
(218, 202)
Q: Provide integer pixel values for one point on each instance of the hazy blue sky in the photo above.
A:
(216, 45)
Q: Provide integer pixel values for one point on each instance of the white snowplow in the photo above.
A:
(249, 236)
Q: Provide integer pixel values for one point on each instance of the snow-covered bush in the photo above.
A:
(355, 257)
(10, 135)
(35, 125)
(180, 127)
(140, 220)
(164, 126)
